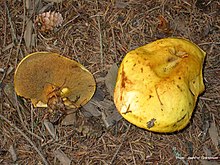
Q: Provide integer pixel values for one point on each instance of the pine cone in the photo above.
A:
(47, 21)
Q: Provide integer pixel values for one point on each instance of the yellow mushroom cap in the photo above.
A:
(158, 84)
(40, 73)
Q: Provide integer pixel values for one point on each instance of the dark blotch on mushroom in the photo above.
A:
(150, 123)
(170, 59)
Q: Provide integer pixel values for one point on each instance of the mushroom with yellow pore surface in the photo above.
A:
(43, 75)
(158, 84)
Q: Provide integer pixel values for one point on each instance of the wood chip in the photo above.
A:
(69, 119)
(213, 132)
(62, 157)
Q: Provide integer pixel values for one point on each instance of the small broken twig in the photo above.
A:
(26, 137)
(116, 153)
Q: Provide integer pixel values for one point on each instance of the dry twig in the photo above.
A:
(119, 147)
(26, 137)
(13, 33)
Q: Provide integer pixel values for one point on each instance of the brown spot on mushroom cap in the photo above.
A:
(39, 73)
(124, 79)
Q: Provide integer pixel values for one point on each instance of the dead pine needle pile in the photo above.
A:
(97, 35)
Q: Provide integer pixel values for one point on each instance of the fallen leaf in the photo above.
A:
(61, 156)
(50, 128)
(13, 153)
(110, 79)
(106, 109)
(213, 132)
(28, 34)
(99, 95)
(90, 109)
(110, 115)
